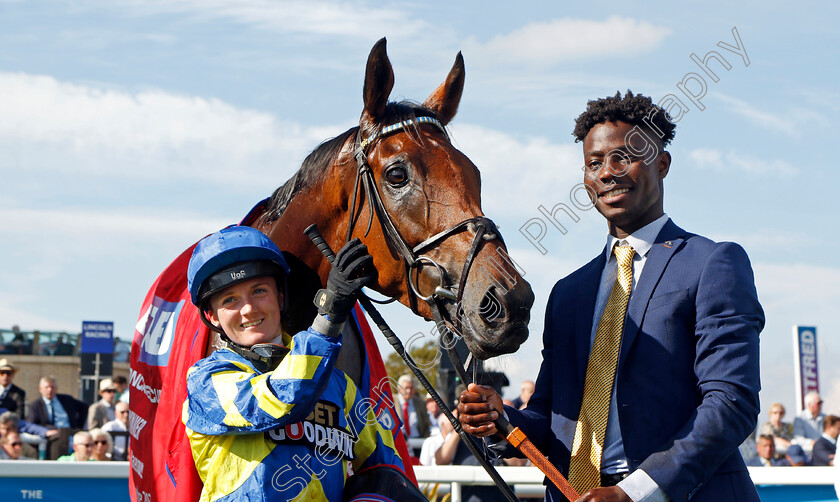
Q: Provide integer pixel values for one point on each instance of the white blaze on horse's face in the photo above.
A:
(428, 186)
(428, 212)
(248, 312)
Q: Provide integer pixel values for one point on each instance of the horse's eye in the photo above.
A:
(397, 176)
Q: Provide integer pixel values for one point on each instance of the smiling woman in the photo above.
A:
(293, 394)
(248, 312)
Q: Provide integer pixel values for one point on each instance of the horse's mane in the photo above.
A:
(315, 164)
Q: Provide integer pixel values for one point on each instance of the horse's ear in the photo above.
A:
(379, 80)
(444, 101)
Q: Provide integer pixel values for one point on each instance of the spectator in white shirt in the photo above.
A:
(120, 426)
(808, 425)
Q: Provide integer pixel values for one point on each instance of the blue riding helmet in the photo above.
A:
(229, 256)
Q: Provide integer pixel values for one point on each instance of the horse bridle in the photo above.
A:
(483, 227)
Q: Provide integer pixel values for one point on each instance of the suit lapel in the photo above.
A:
(670, 238)
(587, 296)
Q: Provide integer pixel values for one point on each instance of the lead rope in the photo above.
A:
(312, 232)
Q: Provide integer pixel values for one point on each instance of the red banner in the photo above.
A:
(169, 339)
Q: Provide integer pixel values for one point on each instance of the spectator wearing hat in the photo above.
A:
(794, 457)
(824, 447)
(103, 411)
(12, 397)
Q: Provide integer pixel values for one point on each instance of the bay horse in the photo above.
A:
(396, 182)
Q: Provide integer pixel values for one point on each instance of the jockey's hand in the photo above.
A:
(351, 271)
(608, 494)
(478, 407)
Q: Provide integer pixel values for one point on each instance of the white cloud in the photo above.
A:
(53, 126)
(321, 18)
(566, 39)
(712, 158)
(762, 118)
(797, 294)
(113, 223)
(519, 174)
(802, 289)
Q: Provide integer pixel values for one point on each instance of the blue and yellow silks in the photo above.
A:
(285, 435)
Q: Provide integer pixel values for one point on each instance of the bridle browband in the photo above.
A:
(483, 227)
(484, 230)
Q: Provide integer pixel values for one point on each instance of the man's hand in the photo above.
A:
(478, 407)
(608, 494)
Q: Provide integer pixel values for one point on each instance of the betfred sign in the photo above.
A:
(805, 362)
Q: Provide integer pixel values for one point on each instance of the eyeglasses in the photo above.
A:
(109, 390)
(101, 441)
(123, 411)
(16, 443)
(5, 372)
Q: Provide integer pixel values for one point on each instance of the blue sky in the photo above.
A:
(130, 129)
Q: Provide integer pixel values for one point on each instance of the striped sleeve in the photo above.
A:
(375, 444)
(227, 395)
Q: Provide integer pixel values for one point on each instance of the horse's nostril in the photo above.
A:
(490, 307)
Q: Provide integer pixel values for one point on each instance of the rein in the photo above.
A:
(312, 232)
(484, 230)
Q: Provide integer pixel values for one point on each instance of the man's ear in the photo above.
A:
(663, 164)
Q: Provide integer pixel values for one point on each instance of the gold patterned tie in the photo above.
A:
(585, 466)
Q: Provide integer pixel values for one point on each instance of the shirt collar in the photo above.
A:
(641, 240)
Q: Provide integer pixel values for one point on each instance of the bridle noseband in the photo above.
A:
(483, 227)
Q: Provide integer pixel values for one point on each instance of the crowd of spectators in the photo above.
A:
(60, 427)
(25, 343)
(810, 440)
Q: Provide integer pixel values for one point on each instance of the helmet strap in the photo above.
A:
(264, 356)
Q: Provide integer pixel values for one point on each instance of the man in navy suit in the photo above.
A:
(685, 389)
(58, 410)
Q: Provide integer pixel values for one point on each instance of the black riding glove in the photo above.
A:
(351, 271)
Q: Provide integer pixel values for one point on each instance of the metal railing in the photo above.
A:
(791, 484)
(528, 481)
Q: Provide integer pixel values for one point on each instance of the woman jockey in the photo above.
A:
(269, 417)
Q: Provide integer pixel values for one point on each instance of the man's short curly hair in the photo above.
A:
(632, 109)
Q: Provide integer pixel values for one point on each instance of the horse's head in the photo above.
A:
(399, 184)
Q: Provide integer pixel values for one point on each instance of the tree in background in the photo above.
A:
(427, 356)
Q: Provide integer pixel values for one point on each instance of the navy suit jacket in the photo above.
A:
(76, 411)
(687, 379)
(14, 400)
(821, 454)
